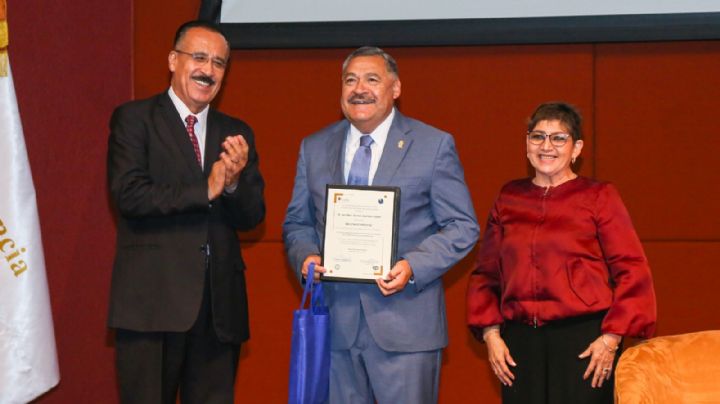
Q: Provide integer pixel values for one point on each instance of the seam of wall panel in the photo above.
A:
(592, 113)
(132, 49)
(681, 240)
(642, 240)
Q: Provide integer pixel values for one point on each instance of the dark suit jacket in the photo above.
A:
(165, 222)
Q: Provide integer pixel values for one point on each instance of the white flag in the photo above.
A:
(28, 360)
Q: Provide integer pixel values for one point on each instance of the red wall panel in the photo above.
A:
(686, 278)
(71, 66)
(484, 97)
(274, 294)
(657, 132)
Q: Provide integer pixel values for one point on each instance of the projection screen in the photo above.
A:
(346, 23)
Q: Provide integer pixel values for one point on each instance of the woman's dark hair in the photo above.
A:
(567, 114)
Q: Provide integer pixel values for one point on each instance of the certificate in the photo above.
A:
(361, 226)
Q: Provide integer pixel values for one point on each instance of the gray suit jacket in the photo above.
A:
(437, 228)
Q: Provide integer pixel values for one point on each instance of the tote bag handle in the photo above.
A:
(313, 289)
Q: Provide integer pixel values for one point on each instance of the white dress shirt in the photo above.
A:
(200, 124)
(379, 136)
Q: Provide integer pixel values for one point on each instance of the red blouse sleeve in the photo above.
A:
(633, 311)
(483, 293)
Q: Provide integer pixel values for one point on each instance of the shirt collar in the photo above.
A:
(184, 111)
(379, 135)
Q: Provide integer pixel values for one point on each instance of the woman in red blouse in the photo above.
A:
(561, 276)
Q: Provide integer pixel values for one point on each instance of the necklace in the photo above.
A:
(563, 180)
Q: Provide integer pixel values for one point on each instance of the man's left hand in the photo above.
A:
(235, 157)
(398, 277)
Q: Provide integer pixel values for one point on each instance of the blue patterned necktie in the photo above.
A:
(360, 167)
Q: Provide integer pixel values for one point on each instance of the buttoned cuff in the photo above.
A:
(230, 188)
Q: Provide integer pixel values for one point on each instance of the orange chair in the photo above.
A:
(674, 369)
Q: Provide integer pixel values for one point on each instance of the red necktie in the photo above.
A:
(190, 120)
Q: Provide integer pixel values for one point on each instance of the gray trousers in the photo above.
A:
(366, 373)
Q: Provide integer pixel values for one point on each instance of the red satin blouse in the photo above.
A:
(560, 252)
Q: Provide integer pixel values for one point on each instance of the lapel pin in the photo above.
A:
(401, 144)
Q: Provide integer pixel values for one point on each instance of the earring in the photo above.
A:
(573, 160)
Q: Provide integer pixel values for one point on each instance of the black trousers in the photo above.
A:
(548, 369)
(153, 367)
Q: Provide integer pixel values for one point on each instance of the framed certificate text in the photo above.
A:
(361, 225)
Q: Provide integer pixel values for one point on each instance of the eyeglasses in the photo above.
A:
(557, 139)
(202, 58)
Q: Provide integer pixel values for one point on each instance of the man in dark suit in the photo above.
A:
(387, 337)
(184, 178)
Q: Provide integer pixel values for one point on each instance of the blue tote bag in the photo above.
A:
(310, 350)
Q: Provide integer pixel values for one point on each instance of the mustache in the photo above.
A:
(360, 98)
(204, 78)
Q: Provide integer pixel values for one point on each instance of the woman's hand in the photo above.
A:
(499, 355)
(602, 355)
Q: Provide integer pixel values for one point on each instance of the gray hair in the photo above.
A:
(390, 63)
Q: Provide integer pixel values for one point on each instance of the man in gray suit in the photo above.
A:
(386, 338)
